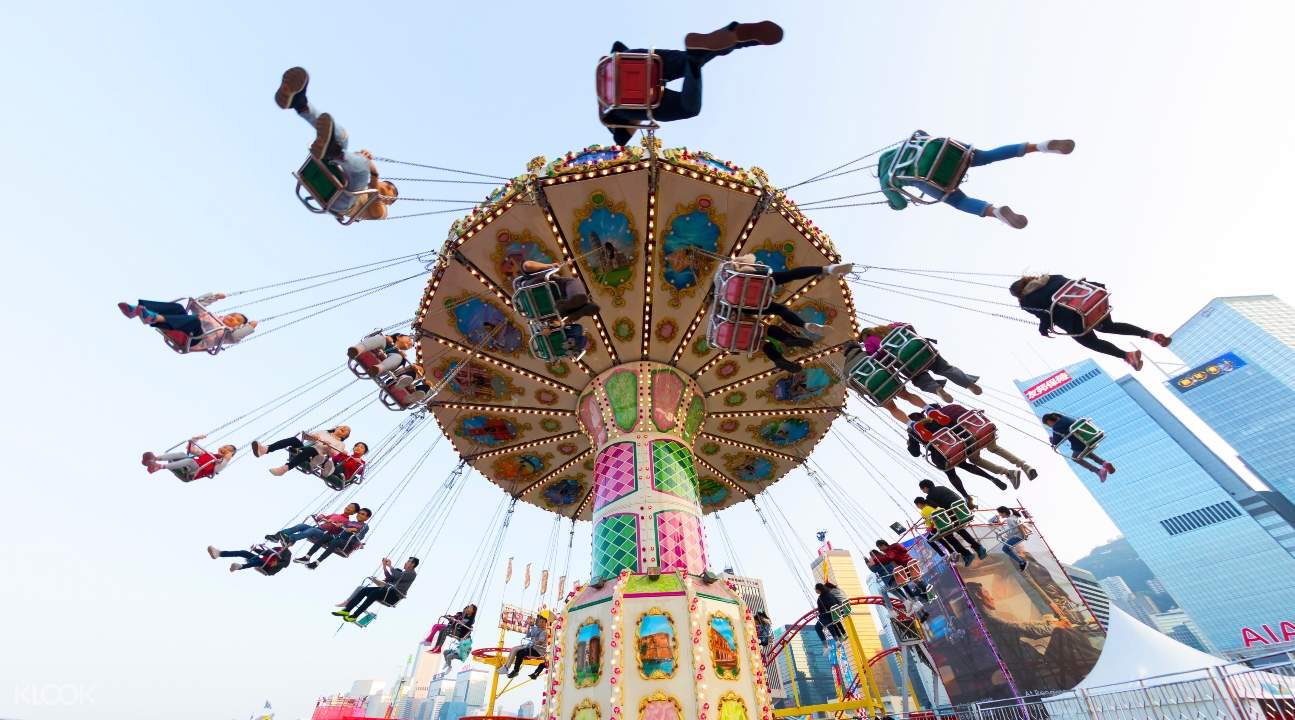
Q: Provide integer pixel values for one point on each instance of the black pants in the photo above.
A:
(299, 456)
(835, 628)
(956, 481)
(525, 654)
(177, 317)
(338, 544)
(1071, 322)
(362, 598)
(250, 559)
(786, 338)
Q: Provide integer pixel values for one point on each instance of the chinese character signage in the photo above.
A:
(1047, 385)
(1197, 376)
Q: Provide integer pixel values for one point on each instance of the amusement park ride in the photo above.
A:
(665, 404)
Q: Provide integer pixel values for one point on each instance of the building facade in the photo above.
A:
(751, 591)
(1092, 592)
(1177, 625)
(837, 566)
(1182, 508)
(1240, 353)
(806, 671)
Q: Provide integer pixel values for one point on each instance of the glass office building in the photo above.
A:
(1240, 353)
(1183, 509)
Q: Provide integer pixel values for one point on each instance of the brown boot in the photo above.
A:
(293, 84)
(323, 136)
(735, 34)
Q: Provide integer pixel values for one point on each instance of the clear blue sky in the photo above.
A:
(146, 158)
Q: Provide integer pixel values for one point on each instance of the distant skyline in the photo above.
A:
(146, 158)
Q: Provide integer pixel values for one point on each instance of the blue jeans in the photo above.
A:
(1010, 543)
(251, 559)
(958, 198)
(354, 167)
(302, 531)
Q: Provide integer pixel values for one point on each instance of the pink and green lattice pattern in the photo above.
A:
(673, 470)
(679, 542)
(616, 540)
(615, 473)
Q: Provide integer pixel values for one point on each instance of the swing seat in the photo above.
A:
(345, 551)
(212, 337)
(736, 336)
(399, 398)
(629, 81)
(366, 619)
(537, 296)
(366, 364)
(873, 380)
(914, 354)
(978, 430)
(946, 449)
(337, 482)
(262, 551)
(1087, 433)
(1090, 302)
(952, 518)
(325, 188)
(744, 289)
(553, 344)
(909, 573)
(935, 165)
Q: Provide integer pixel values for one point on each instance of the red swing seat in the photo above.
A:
(629, 81)
(736, 336)
(1090, 302)
(972, 433)
(744, 289)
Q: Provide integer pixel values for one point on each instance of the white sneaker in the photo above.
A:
(213, 552)
(815, 327)
(1011, 217)
(235, 567)
(1060, 147)
(838, 269)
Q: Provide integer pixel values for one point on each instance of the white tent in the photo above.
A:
(1134, 651)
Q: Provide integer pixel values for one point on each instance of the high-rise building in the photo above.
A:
(1092, 592)
(471, 686)
(1177, 625)
(751, 590)
(526, 709)
(838, 567)
(807, 672)
(1241, 382)
(1182, 509)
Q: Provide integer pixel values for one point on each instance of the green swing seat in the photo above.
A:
(940, 163)
(325, 186)
(538, 301)
(1087, 433)
(914, 352)
(876, 382)
(952, 518)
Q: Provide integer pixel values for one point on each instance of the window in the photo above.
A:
(1195, 519)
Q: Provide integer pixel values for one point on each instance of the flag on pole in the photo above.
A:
(526, 580)
(508, 573)
(562, 586)
(544, 581)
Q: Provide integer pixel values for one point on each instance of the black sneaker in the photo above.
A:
(980, 552)
(271, 537)
(967, 558)
(1031, 473)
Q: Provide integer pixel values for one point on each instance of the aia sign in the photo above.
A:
(1286, 628)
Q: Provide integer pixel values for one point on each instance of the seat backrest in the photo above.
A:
(322, 180)
(629, 80)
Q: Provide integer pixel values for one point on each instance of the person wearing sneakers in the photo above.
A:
(348, 537)
(1034, 294)
(942, 498)
(193, 461)
(948, 415)
(920, 431)
(393, 347)
(573, 301)
(1013, 533)
(1060, 425)
(390, 590)
(700, 48)
(344, 467)
(945, 544)
(174, 316)
(330, 146)
(957, 198)
(327, 525)
(871, 342)
(777, 338)
(534, 645)
(306, 457)
(268, 561)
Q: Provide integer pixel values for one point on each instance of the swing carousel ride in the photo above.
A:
(666, 397)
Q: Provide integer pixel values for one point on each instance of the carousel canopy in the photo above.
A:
(645, 228)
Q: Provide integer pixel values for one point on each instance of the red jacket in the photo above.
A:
(897, 554)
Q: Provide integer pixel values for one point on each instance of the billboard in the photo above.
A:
(997, 631)
(1201, 374)
(1047, 385)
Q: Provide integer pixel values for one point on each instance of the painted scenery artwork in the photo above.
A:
(656, 645)
(723, 647)
(589, 654)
